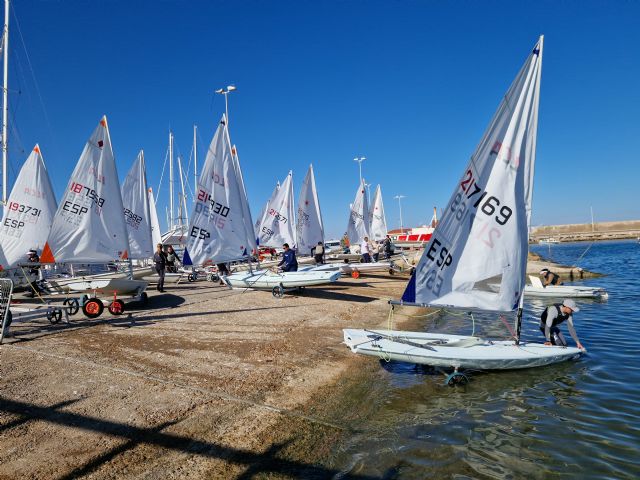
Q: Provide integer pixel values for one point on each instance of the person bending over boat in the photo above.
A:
(549, 277)
(289, 263)
(160, 261)
(553, 316)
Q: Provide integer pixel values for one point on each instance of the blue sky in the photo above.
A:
(411, 85)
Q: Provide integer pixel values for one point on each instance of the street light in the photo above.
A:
(360, 160)
(399, 198)
(222, 91)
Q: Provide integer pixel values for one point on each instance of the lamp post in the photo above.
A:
(360, 160)
(399, 198)
(226, 92)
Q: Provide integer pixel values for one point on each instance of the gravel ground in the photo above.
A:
(204, 382)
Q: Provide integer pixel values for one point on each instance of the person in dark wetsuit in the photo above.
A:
(553, 316)
(223, 271)
(160, 261)
(289, 263)
(549, 277)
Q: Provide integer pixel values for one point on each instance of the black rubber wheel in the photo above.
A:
(144, 298)
(116, 307)
(457, 378)
(277, 292)
(9, 319)
(215, 277)
(391, 271)
(191, 277)
(93, 308)
(54, 316)
(72, 305)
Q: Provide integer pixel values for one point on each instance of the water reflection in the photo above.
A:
(572, 420)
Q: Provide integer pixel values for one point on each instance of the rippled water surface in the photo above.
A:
(578, 419)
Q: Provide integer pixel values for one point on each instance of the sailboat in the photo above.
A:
(137, 214)
(26, 218)
(377, 220)
(481, 238)
(221, 228)
(89, 226)
(309, 227)
(263, 214)
(358, 225)
(278, 223)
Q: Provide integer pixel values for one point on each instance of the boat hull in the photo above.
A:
(268, 280)
(101, 286)
(455, 351)
(565, 291)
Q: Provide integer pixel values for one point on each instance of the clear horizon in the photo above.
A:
(412, 87)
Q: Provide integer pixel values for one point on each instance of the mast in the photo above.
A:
(5, 99)
(195, 159)
(183, 199)
(171, 217)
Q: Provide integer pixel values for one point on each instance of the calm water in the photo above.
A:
(573, 420)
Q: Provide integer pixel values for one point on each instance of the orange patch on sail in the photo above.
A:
(125, 255)
(47, 254)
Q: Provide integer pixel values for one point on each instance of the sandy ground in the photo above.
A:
(204, 382)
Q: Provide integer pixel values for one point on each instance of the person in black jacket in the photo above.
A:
(553, 316)
(549, 277)
(160, 261)
(289, 263)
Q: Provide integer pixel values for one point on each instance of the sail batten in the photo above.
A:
(482, 237)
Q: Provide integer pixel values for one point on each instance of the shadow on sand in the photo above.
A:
(257, 464)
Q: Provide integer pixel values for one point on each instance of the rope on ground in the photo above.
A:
(224, 396)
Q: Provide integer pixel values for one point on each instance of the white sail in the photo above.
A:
(29, 212)
(156, 235)
(358, 226)
(89, 226)
(309, 228)
(246, 212)
(263, 213)
(482, 236)
(277, 227)
(378, 228)
(135, 199)
(218, 231)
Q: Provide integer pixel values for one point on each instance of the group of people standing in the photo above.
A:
(371, 251)
(165, 260)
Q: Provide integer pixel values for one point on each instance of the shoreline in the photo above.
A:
(205, 382)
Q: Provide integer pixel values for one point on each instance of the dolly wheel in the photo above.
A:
(456, 378)
(277, 292)
(192, 277)
(355, 274)
(54, 316)
(144, 298)
(215, 277)
(72, 305)
(93, 308)
(116, 307)
(391, 271)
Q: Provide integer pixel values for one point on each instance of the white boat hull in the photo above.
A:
(455, 351)
(565, 291)
(101, 286)
(348, 268)
(265, 279)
